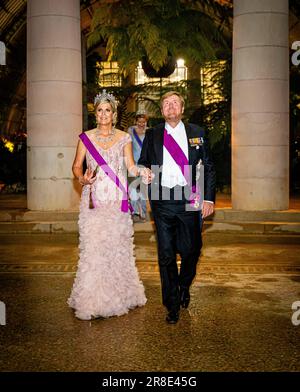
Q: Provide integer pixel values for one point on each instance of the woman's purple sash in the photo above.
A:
(182, 161)
(107, 170)
(137, 138)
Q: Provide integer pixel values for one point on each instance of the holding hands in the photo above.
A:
(147, 175)
(89, 176)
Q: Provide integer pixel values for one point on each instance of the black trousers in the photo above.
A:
(178, 231)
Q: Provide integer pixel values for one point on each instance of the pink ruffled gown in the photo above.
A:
(107, 281)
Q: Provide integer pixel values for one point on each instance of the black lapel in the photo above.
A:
(159, 142)
(189, 135)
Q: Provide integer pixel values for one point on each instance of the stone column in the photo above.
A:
(54, 102)
(260, 105)
(85, 113)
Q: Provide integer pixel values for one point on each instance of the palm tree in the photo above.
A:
(156, 29)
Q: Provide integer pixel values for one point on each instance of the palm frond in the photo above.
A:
(157, 28)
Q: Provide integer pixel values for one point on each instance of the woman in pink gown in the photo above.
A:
(107, 282)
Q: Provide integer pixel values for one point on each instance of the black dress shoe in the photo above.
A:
(185, 298)
(172, 317)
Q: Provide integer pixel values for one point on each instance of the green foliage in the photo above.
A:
(295, 128)
(92, 69)
(13, 164)
(294, 6)
(215, 118)
(155, 29)
(137, 28)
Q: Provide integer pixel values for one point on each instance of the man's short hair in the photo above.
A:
(168, 94)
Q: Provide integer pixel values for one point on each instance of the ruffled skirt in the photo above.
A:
(107, 282)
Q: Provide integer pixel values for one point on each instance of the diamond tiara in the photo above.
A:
(104, 96)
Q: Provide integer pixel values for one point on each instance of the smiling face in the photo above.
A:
(172, 108)
(104, 114)
(141, 123)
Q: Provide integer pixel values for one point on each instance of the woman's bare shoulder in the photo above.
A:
(121, 134)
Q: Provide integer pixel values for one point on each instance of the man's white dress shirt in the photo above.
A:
(171, 173)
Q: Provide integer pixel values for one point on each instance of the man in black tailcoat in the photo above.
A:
(175, 152)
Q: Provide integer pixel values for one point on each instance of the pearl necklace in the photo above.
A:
(105, 139)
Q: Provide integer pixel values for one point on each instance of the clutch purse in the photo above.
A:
(91, 202)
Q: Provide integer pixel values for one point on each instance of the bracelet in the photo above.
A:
(137, 173)
(142, 171)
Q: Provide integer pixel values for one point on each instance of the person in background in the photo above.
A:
(137, 199)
